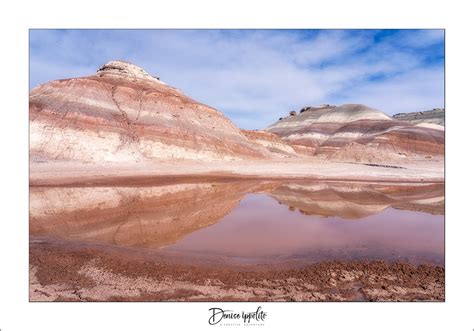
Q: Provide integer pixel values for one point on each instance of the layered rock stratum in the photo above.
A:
(358, 133)
(123, 114)
(271, 142)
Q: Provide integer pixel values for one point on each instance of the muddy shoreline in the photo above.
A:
(62, 272)
(111, 181)
(83, 174)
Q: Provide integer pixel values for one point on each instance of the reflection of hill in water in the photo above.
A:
(132, 216)
(357, 200)
(158, 216)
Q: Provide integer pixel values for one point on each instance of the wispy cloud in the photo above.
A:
(256, 76)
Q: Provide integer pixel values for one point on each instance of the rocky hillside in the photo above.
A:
(434, 116)
(357, 133)
(123, 114)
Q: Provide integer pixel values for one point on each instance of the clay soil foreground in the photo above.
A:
(60, 272)
(69, 173)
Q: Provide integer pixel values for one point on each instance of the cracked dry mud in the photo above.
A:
(63, 273)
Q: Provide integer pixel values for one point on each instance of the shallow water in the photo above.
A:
(251, 221)
(261, 230)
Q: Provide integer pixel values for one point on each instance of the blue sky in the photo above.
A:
(257, 76)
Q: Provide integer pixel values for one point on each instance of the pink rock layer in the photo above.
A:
(271, 142)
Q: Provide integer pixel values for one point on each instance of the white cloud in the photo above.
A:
(416, 90)
(419, 38)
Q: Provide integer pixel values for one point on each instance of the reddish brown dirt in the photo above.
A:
(61, 272)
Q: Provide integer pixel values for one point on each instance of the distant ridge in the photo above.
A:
(434, 116)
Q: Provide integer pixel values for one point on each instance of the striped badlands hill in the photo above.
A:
(122, 114)
(358, 133)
